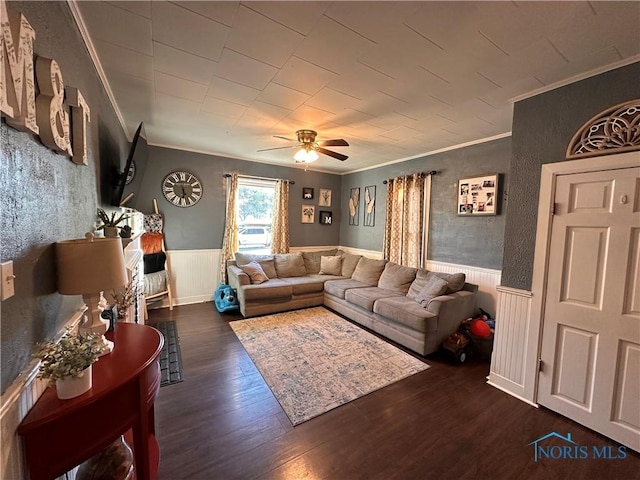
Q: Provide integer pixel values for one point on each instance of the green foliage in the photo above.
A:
(110, 221)
(70, 356)
(256, 202)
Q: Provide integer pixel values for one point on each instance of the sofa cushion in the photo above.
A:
(455, 281)
(349, 263)
(312, 259)
(306, 284)
(397, 278)
(369, 270)
(406, 312)
(434, 286)
(289, 265)
(255, 272)
(330, 265)
(265, 261)
(338, 287)
(366, 297)
(274, 288)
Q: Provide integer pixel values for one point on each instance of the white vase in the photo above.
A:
(70, 387)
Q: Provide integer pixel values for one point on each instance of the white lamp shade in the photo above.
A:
(306, 155)
(90, 265)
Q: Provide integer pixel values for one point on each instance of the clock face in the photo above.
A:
(183, 189)
(131, 173)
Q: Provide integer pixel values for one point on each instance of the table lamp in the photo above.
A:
(88, 267)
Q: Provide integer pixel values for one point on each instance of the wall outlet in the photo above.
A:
(7, 277)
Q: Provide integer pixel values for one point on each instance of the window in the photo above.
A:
(255, 212)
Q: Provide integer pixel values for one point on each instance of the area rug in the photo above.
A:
(314, 361)
(170, 357)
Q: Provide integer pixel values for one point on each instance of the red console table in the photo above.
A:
(60, 434)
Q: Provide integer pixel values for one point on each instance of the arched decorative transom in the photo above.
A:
(615, 130)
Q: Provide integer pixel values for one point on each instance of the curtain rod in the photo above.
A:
(422, 174)
(290, 182)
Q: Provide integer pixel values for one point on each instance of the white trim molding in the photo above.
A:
(195, 275)
(486, 279)
(510, 344)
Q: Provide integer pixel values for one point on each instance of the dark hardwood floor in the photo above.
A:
(222, 422)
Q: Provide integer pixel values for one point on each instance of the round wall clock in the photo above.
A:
(183, 189)
(131, 173)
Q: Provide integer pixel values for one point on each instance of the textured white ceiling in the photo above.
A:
(394, 79)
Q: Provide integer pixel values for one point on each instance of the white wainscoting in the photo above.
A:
(195, 275)
(15, 403)
(511, 347)
(486, 279)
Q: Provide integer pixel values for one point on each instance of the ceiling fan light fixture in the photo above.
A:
(306, 154)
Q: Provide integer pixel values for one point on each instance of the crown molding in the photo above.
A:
(84, 33)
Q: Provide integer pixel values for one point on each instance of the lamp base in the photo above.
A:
(93, 322)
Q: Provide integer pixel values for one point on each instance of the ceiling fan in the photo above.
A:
(309, 148)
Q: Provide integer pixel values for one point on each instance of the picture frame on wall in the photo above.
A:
(324, 197)
(478, 195)
(354, 204)
(308, 213)
(369, 206)
(307, 193)
(326, 217)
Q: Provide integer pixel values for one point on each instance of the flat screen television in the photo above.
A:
(129, 178)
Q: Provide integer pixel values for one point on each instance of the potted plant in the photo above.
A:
(67, 363)
(110, 223)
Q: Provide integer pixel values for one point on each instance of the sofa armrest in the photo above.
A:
(452, 309)
(236, 277)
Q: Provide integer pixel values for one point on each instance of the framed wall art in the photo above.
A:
(478, 195)
(307, 193)
(354, 203)
(369, 206)
(324, 197)
(308, 213)
(325, 217)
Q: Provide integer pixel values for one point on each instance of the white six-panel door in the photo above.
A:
(590, 353)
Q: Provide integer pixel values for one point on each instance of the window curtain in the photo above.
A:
(230, 242)
(405, 235)
(280, 222)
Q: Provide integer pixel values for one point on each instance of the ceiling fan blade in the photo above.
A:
(284, 138)
(276, 148)
(337, 155)
(338, 142)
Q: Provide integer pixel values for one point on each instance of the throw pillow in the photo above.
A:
(369, 270)
(151, 242)
(349, 263)
(289, 265)
(255, 272)
(433, 287)
(397, 278)
(154, 262)
(418, 283)
(330, 265)
(455, 281)
(312, 259)
(265, 261)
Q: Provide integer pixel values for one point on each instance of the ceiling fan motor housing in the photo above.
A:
(306, 136)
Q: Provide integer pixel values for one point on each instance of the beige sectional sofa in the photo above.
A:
(413, 307)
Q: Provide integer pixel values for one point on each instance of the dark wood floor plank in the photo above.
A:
(223, 422)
